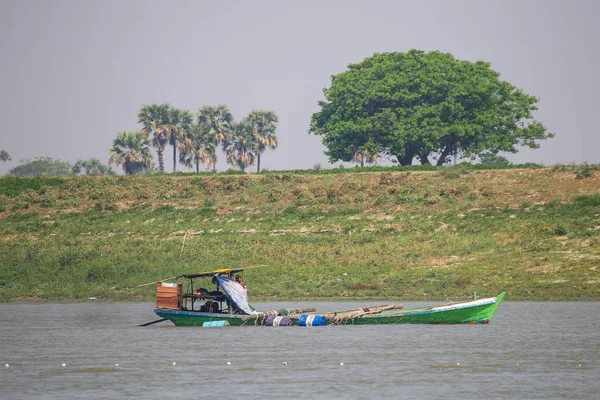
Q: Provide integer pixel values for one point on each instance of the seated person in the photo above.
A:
(201, 292)
(238, 279)
(210, 306)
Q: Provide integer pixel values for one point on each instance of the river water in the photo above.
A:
(530, 350)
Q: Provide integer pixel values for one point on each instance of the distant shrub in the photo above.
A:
(20, 205)
(48, 201)
(287, 177)
(560, 230)
(492, 159)
(209, 202)
(303, 198)
(584, 171)
(317, 167)
(274, 196)
(361, 198)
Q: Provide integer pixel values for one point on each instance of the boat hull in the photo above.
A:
(472, 312)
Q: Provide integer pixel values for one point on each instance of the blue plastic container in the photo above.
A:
(274, 320)
(312, 320)
(213, 324)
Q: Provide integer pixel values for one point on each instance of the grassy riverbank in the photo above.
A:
(411, 235)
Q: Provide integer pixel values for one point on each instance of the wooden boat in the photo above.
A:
(185, 303)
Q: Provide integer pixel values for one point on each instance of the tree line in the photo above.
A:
(406, 107)
(195, 138)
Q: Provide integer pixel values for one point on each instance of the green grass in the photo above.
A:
(414, 235)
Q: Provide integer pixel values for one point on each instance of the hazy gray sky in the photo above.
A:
(74, 73)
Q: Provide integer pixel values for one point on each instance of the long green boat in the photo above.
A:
(186, 303)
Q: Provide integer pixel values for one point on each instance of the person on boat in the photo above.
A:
(238, 279)
(210, 306)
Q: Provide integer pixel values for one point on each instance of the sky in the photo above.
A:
(74, 73)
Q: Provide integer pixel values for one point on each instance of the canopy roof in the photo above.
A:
(204, 274)
(224, 271)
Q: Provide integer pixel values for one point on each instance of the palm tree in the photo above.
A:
(132, 150)
(241, 145)
(155, 119)
(264, 124)
(179, 122)
(4, 156)
(199, 147)
(363, 156)
(218, 120)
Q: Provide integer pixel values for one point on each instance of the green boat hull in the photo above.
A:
(472, 312)
(476, 312)
(192, 318)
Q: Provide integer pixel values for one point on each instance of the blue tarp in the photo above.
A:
(236, 294)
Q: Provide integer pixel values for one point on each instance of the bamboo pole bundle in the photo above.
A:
(343, 316)
(260, 315)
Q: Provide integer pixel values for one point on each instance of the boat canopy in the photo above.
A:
(224, 271)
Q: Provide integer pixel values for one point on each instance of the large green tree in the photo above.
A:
(4, 156)
(132, 151)
(41, 165)
(263, 124)
(417, 104)
(156, 123)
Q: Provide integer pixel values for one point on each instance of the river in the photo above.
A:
(95, 350)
